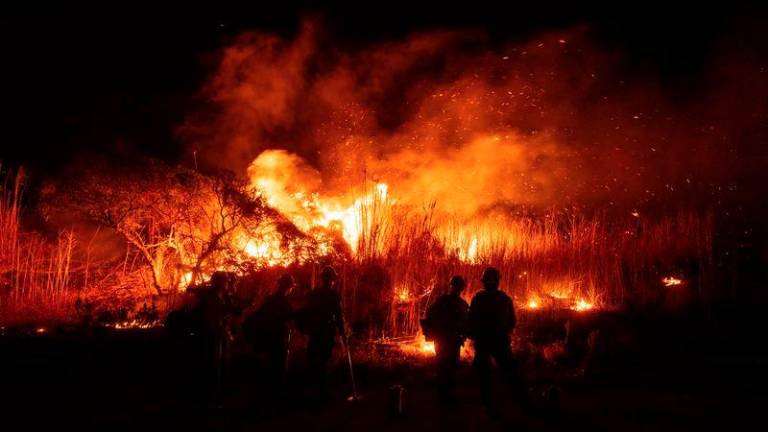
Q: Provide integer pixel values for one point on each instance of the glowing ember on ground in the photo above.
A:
(134, 324)
(671, 281)
(582, 305)
(427, 347)
(418, 346)
(40, 330)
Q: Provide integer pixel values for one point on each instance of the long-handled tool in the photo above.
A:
(355, 396)
(286, 361)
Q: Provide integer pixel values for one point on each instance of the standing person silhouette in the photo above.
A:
(321, 319)
(215, 309)
(269, 332)
(446, 324)
(491, 320)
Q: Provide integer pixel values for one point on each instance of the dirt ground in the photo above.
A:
(131, 380)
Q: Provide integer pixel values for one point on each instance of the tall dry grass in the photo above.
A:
(556, 259)
(34, 272)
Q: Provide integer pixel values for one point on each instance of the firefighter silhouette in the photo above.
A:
(267, 329)
(446, 324)
(214, 309)
(491, 320)
(320, 319)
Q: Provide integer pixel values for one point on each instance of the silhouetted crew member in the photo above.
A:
(214, 309)
(446, 325)
(491, 320)
(320, 319)
(268, 330)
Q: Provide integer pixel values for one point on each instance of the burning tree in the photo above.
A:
(177, 223)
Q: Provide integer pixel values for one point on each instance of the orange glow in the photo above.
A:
(470, 253)
(671, 281)
(290, 186)
(372, 211)
(186, 279)
(418, 346)
(266, 250)
(403, 296)
(134, 324)
(254, 249)
(563, 294)
(582, 305)
(428, 348)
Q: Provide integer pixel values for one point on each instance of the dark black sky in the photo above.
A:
(121, 80)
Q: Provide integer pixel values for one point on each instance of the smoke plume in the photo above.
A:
(454, 118)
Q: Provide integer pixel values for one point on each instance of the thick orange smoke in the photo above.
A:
(448, 118)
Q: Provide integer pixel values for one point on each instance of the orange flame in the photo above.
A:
(582, 305)
(418, 346)
(427, 347)
(134, 324)
(671, 281)
(403, 295)
(289, 185)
